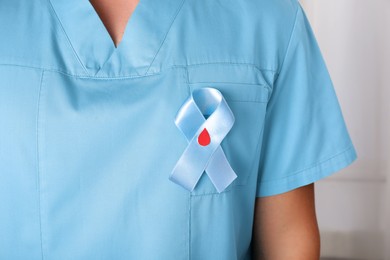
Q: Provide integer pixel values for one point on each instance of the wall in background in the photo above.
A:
(353, 205)
(386, 125)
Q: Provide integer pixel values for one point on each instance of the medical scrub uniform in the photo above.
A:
(88, 139)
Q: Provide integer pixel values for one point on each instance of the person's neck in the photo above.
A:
(115, 15)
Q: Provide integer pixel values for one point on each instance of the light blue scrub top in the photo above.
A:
(88, 139)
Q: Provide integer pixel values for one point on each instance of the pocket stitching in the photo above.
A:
(262, 91)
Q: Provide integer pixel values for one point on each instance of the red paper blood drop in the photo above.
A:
(204, 138)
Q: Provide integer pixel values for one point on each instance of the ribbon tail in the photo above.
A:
(192, 163)
(219, 170)
(184, 175)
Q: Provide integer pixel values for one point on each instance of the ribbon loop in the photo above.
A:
(205, 119)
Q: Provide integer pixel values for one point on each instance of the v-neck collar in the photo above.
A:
(144, 34)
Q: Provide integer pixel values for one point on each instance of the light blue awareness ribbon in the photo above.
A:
(206, 108)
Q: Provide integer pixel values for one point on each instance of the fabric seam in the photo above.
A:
(124, 77)
(187, 239)
(222, 193)
(289, 42)
(189, 225)
(165, 36)
(67, 37)
(295, 173)
(38, 159)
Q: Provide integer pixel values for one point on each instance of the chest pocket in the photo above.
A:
(246, 92)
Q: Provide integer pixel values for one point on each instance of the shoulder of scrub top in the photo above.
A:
(31, 34)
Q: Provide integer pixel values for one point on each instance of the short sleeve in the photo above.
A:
(305, 137)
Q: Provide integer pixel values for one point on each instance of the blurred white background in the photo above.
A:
(353, 205)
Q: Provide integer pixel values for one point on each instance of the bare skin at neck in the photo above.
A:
(114, 15)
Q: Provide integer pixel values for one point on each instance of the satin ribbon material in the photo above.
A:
(205, 108)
